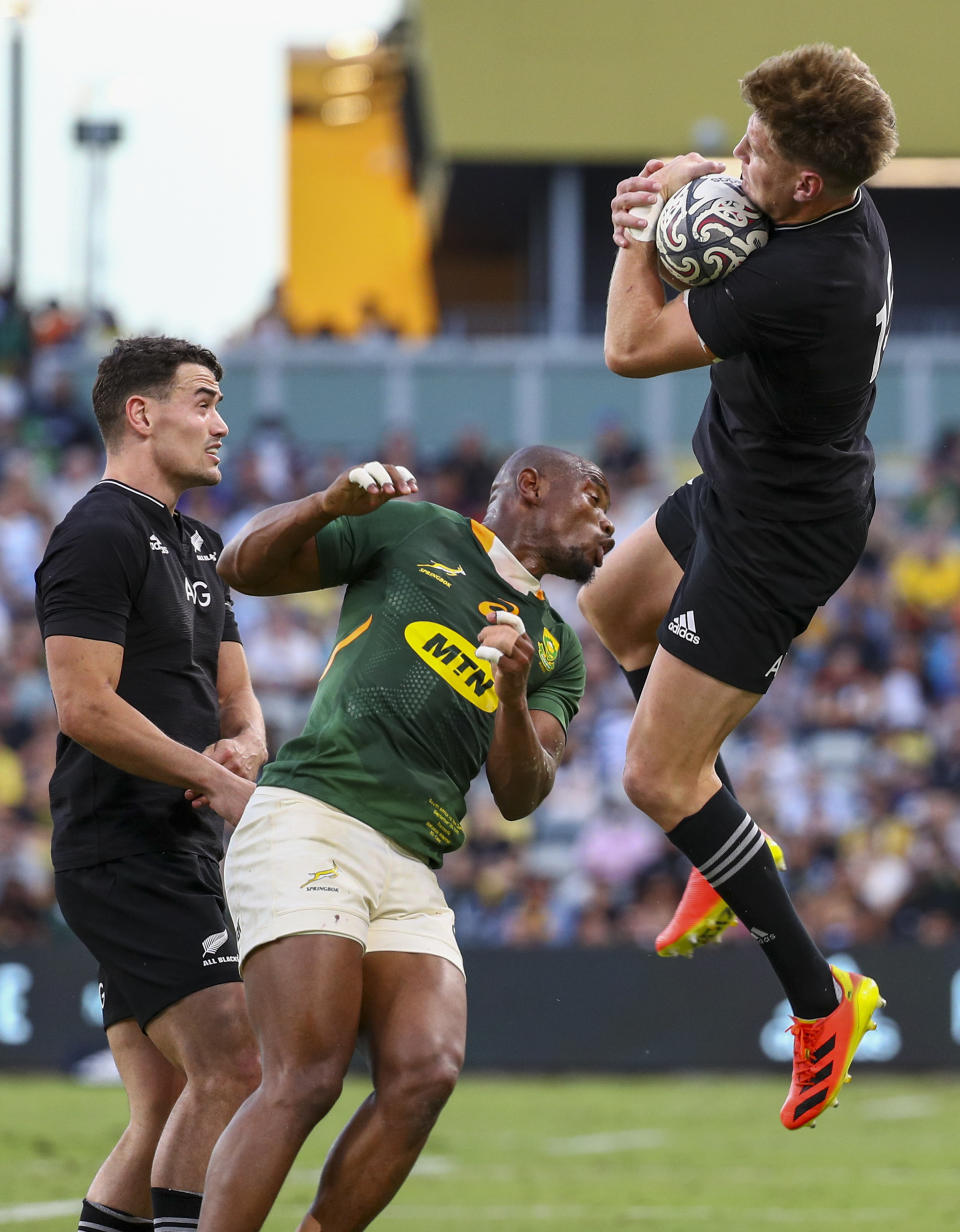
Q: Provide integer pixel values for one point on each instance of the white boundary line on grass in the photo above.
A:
(28, 1211)
(537, 1212)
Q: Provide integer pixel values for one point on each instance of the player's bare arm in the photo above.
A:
(645, 335)
(83, 676)
(275, 553)
(242, 746)
(527, 745)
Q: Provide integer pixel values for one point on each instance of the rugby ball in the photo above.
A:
(707, 228)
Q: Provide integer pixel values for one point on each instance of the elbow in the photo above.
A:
(79, 718)
(624, 363)
(227, 570)
(516, 808)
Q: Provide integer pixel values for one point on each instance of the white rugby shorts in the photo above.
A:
(298, 865)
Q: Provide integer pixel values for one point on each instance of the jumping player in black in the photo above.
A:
(158, 723)
(700, 605)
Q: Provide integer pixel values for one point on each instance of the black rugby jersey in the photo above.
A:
(120, 568)
(800, 328)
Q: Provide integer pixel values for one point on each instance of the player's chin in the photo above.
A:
(580, 571)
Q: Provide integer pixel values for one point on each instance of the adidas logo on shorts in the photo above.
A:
(686, 627)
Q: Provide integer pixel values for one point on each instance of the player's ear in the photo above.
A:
(137, 414)
(530, 485)
(809, 186)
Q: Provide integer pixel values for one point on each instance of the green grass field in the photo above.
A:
(595, 1154)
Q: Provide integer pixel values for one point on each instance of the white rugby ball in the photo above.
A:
(707, 228)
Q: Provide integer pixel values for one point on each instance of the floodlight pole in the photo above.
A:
(16, 144)
(97, 137)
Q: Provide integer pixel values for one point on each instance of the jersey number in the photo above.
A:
(883, 321)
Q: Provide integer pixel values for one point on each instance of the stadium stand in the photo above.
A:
(853, 762)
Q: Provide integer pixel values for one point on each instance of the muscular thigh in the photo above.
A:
(414, 1009)
(630, 594)
(303, 995)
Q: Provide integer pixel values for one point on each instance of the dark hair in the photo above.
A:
(822, 106)
(141, 366)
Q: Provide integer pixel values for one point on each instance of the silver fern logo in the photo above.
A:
(213, 943)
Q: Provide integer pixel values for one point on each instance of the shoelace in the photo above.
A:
(804, 1066)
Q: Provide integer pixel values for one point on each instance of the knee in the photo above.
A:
(649, 791)
(150, 1108)
(232, 1076)
(306, 1091)
(415, 1090)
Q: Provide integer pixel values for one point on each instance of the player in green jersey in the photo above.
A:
(448, 658)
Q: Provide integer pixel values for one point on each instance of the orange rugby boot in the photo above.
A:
(701, 915)
(823, 1049)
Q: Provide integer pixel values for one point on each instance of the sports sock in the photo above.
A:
(95, 1217)
(175, 1210)
(636, 678)
(729, 849)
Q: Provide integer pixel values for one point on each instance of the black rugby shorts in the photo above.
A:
(750, 586)
(157, 923)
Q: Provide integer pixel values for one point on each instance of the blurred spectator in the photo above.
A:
(59, 417)
(16, 336)
(77, 469)
(25, 526)
(854, 760)
(54, 325)
(285, 662)
(461, 479)
(926, 576)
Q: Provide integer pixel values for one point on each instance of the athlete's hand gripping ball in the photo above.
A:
(640, 198)
(504, 644)
(365, 488)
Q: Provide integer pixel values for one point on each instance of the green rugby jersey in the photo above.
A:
(404, 712)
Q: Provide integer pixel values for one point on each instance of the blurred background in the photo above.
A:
(391, 221)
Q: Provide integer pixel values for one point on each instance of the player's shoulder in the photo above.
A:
(103, 515)
(421, 511)
(402, 517)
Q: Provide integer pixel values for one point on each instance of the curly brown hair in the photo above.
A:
(822, 106)
(141, 366)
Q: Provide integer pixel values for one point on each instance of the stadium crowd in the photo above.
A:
(852, 761)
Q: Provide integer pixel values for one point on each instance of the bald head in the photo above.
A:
(549, 462)
(549, 507)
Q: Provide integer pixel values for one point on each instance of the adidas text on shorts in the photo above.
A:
(749, 586)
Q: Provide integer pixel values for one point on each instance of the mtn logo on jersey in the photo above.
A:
(686, 627)
(454, 660)
(198, 546)
(436, 570)
(548, 649)
(157, 546)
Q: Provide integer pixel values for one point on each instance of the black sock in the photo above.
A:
(728, 847)
(95, 1217)
(175, 1210)
(636, 678)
